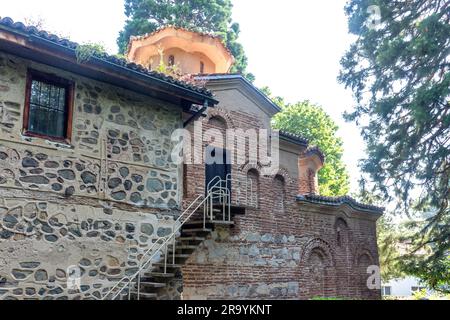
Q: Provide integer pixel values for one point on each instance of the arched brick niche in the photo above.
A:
(318, 270)
(218, 122)
(278, 193)
(253, 187)
(282, 172)
(343, 256)
(220, 115)
(363, 260)
(341, 232)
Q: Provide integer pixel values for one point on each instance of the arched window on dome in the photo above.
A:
(171, 60)
(202, 67)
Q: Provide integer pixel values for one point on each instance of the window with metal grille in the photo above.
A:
(48, 108)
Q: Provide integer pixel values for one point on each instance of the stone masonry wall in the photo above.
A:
(84, 204)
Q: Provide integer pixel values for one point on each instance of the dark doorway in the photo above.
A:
(217, 164)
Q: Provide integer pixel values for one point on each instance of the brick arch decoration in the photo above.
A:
(361, 252)
(341, 220)
(245, 168)
(360, 281)
(220, 113)
(219, 122)
(317, 280)
(322, 245)
(284, 174)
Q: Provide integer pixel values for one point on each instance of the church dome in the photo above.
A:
(191, 52)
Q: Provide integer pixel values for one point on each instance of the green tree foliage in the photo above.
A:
(389, 236)
(399, 73)
(209, 16)
(389, 240)
(85, 52)
(313, 123)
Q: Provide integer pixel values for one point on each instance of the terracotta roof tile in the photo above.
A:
(294, 137)
(337, 201)
(31, 30)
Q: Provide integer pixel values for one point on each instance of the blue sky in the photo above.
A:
(294, 47)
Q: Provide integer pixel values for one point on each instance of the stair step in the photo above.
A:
(196, 230)
(193, 238)
(159, 275)
(208, 222)
(169, 265)
(153, 284)
(183, 247)
(178, 255)
(144, 296)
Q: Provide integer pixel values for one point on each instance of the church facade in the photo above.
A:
(91, 196)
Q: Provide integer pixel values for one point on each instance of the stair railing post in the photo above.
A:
(205, 207)
(129, 290)
(224, 200)
(139, 287)
(212, 207)
(165, 258)
(229, 208)
(174, 248)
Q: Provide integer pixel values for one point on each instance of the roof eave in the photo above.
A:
(376, 211)
(239, 77)
(294, 141)
(21, 43)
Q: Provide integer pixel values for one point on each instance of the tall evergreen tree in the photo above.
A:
(209, 16)
(398, 68)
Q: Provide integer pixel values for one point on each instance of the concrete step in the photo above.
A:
(183, 247)
(192, 238)
(208, 223)
(169, 265)
(159, 275)
(178, 256)
(148, 284)
(195, 230)
(144, 296)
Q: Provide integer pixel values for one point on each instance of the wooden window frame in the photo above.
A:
(55, 80)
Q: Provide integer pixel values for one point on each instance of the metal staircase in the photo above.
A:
(163, 261)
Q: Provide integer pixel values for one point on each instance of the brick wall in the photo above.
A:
(283, 249)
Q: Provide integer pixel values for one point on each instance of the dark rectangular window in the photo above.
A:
(48, 107)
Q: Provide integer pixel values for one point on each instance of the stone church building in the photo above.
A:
(93, 204)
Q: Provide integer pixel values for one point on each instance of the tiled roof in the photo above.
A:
(231, 76)
(338, 201)
(316, 150)
(294, 137)
(8, 23)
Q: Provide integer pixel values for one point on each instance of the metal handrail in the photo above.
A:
(129, 280)
(250, 200)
